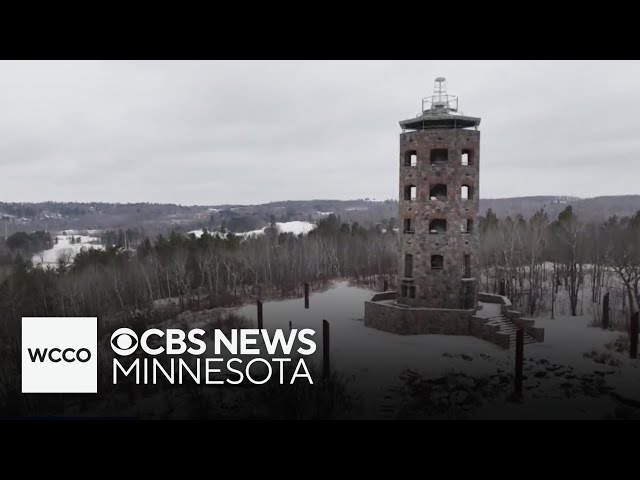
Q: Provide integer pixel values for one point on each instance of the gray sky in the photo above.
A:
(211, 132)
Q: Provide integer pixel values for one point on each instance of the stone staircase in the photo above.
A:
(509, 327)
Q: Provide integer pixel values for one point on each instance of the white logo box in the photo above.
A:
(62, 375)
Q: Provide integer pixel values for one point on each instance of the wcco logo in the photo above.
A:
(59, 355)
(66, 355)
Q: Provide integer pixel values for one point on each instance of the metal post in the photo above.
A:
(519, 361)
(633, 334)
(306, 295)
(385, 285)
(325, 349)
(605, 311)
(259, 304)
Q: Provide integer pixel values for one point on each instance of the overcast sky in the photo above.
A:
(212, 132)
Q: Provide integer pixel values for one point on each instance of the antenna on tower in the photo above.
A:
(440, 93)
(440, 100)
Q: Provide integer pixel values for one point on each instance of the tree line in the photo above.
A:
(196, 271)
(533, 261)
(25, 244)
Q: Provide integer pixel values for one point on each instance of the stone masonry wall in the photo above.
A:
(443, 288)
(384, 314)
(416, 321)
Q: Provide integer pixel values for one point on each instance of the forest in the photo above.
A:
(24, 244)
(531, 261)
(198, 272)
(558, 267)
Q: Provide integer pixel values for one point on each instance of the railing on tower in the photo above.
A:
(440, 100)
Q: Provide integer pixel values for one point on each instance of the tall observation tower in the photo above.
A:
(439, 184)
(438, 244)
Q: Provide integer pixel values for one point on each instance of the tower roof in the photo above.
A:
(440, 111)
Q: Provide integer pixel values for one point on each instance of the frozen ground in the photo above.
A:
(295, 227)
(80, 232)
(373, 360)
(64, 248)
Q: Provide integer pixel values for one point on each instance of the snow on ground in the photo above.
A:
(373, 359)
(489, 310)
(64, 248)
(295, 227)
(198, 233)
(81, 232)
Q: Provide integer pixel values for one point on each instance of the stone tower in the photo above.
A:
(438, 240)
(438, 224)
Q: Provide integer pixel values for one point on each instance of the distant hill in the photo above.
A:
(152, 219)
(596, 208)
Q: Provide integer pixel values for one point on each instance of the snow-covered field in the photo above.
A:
(295, 227)
(65, 249)
(80, 232)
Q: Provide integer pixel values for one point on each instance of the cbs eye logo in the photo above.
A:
(124, 341)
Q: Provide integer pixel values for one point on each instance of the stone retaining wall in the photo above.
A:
(384, 314)
(380, 297)
(478, 328)
(402, 320)
(493, 298)
(528, 324)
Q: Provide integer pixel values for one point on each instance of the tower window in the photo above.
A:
(403, 291)
(410, 158)
(412, 291)
(439, 156)
(437, 262)
(410, 193)
(466, 226)
(408, 265)
(408, 226)
(466, 266)
(438, 192)
(466, 192)
(466, 157)
(438, 225)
